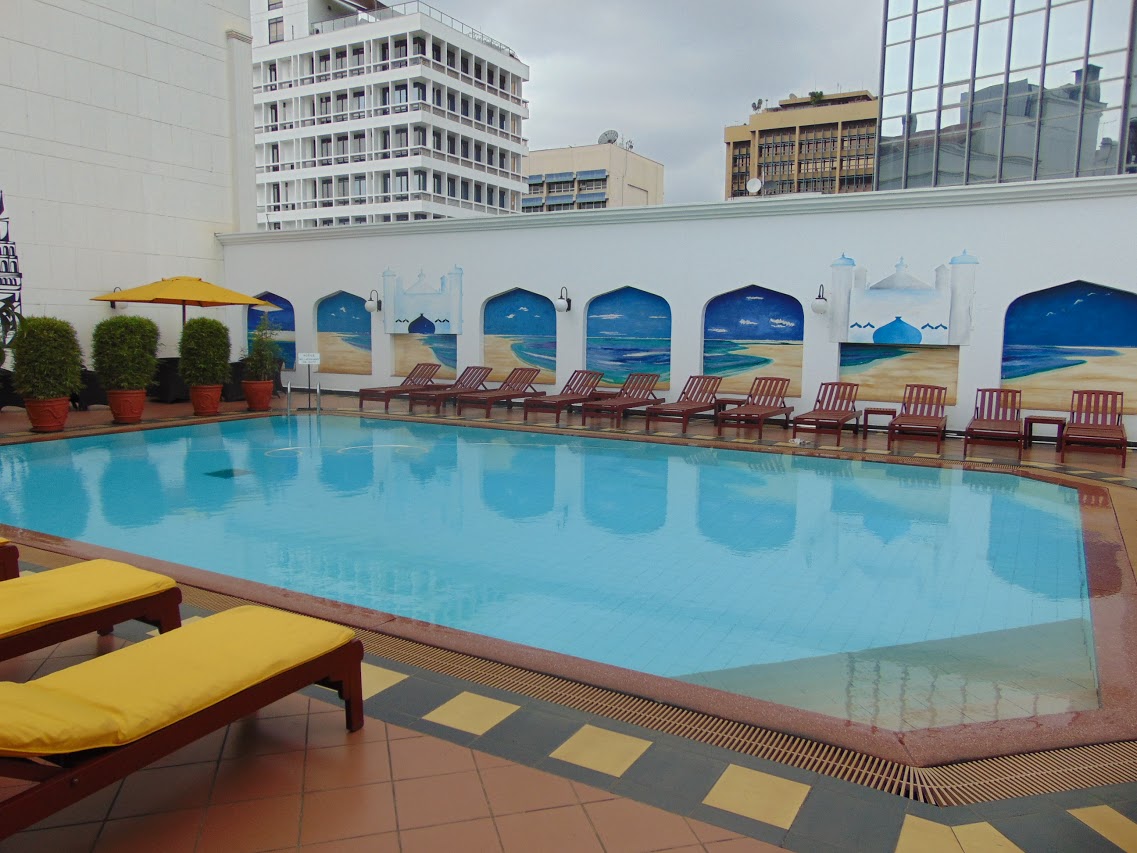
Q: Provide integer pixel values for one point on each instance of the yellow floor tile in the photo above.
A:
(927, 455)
(758, 795)
(188, 621)
(376, 679)
(1110, 824)
(599, 749)
(918, 835)
(469, 712)
(983, 838)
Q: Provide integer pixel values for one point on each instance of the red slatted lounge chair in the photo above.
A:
(921, 414)
(420, 378)
(638, 390)
(41, 609)
(998, 418)
(9, 560)
(517, 386)
(698, 395)
(1095, 423)
(766, 400)
(78, 729)
(580, 388)
(472, 379)
(835, 407)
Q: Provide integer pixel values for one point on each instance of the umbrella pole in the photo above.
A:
(183, 314)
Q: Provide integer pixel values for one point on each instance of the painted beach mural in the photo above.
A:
(343, 334)
(883, 370)
(284, 319)
(629, 331)
(753, 332)
(520, 330)
(1075, 336)
(421, 343)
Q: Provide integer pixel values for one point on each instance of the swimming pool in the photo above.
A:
(956, 593)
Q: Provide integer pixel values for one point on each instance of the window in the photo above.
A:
(465, 65)
(477, 112)
(465, 149)
(591, 205)
(420, 91)
(466, 190)
(275, 4)
(465, 107)
(272, 114)
(272, 72)
(341, 148)
(274, 153)
(275, 30)
(360, 189)
(341, 59)
(420, 181)
(478, 152)
(451, 145)
(401, 137)
(326, 191)
(477, 193)
(341, 106)
(501, 198)
(402, 181)
(437, 184)
(400, 50)
(419, 45)
(452, 187)
(341, 187)
(594, 186)
(420, 136)
(436, 140)
(560, 187)
(356, 57)
(325, 107)
(274, 193)
(450, 101)
(436, 51)
(358, 102)
(324, 62)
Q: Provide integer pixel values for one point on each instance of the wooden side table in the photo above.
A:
(1028, 427)
(882, 411)
(725, 401)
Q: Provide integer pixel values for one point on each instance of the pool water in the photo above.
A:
(771, 575)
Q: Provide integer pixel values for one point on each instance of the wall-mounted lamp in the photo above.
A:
(373, 303)
(820, 304)
(562, 303)
(114, 305)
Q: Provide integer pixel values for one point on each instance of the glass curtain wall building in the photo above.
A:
(984, 91)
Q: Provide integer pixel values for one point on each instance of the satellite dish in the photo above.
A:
(608, 137)
(754, 186)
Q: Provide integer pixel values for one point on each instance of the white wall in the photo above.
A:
(1026, 236)
(116, 118)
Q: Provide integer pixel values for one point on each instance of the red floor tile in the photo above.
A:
(251, 826)
(440, 799)
(347, 766)
(259, 777)
(164, 789)
(427, 756)
(515, 788)
(255, 736)
(170, 832)
(625, 826)
(474, 836)
(347, 813)
(562, 830)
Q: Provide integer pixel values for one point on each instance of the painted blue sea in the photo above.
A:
(1026, 359)
(536, 350)
(726, 358)
(619, 356)
(856, 358)
(359, 341)
(444, 347)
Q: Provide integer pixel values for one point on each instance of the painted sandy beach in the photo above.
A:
(882, 379)
(412, 349)
(784, 360)
(338, 356)
(500, 354)
(1050, 390)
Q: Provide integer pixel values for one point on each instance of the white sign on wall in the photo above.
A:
(312, 358)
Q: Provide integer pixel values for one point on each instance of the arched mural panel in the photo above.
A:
(422, 343)
(1074, 336)
(520, 330)
(343, 334)
(284, 319)
(629, 331)
(753, 332)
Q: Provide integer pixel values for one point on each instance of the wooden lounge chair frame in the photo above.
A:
(638, 390)
(698, 395)
(9, 560)
(997, 420)
(922, 414)
(66, 779)
(420, 378)
(160, 609)
(1095, 423)
(579, 389)
(766, 400)
(835, 407)
(517, 386)
(472, 379)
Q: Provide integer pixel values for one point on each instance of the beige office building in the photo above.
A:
(820, 143)
(590, 176)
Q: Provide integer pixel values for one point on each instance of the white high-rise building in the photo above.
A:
(370, 113)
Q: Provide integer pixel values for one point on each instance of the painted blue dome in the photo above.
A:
(897, 332)
(965, 258)
(422, 326)
(843, 262)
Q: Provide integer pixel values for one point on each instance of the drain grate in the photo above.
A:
(963, 783)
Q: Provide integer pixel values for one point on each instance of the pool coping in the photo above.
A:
(1112, 599)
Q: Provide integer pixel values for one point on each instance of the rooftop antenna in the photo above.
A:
(608, 137)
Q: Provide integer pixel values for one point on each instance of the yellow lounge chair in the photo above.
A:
(81, 728)
(37, 610)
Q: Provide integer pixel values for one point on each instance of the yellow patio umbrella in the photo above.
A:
(183, 290)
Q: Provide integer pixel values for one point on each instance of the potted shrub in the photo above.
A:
(125, 351)
(260, 366)
(204, 362)
(48, 370)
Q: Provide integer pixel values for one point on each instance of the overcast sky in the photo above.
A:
(671, 75)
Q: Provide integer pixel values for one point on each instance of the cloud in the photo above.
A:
(510, 316)
(658, 317)
(718, 331)
(605, 316)
(779, 323)
(744, 322)
(523, 308)
(752, 298)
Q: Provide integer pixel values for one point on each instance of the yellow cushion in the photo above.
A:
(32, 600)
(149, 685)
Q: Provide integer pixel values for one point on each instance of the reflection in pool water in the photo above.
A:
(714, 566)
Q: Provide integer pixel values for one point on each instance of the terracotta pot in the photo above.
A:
(206, 399)
(258, 394)
(48, 415)
(126, 406)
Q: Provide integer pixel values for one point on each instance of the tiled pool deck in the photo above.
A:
(446, 764)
